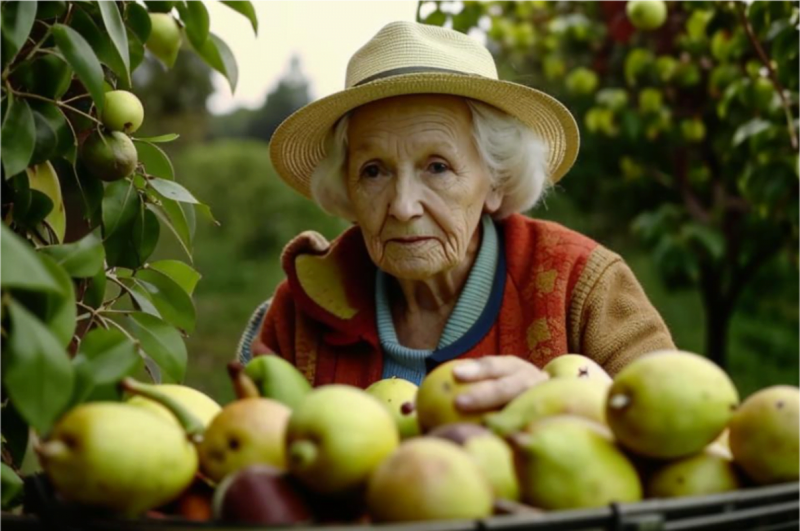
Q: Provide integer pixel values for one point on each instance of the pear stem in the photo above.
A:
(243, 385)
(302, 453)
(193, 427)
(51, 449)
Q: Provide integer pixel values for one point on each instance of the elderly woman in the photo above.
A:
(433, 159)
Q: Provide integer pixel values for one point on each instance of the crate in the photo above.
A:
(770, 508)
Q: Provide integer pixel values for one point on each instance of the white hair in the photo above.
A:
(515, 156)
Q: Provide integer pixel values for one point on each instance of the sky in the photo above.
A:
(324, 34)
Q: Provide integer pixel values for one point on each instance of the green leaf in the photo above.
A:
(219, 57)
(21, 266)
(174, 217)
(15, 432)
(246, 9)
(180, 272)
(173, 190)
(116, 31)
(161, 342)
(136, 49)
(37, 373)
(195, 17)
(121, 204)
(18, 137)
(58, 122)
(131, 245)
(138, 21)
(140, 297)
(17, 21)
(156, 162)
(89, 188)
(173, 303)
(12, 487)
(81, 259)
(748, 129)
(100, 41)
(161, 139)
(46, 140)
(46, 75)
(108, 354)
(95, 292)
(84, 62)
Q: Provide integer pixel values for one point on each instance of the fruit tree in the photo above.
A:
(688, 113)
(84, 203)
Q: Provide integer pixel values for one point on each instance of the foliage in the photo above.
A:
(82, 303)
(689, 129)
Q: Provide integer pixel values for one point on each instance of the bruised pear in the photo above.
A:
(708, 472)
(119, 457)
(198, 404)
(558, 396)
(764, 435)
(428, 479)
(436, 398)
(109, 157)
(569, 462)
(260, 494)
(576, 366)
(398, 395)
(491, 453)
(670, 404)
(336, 437)
(122, 111)
(246, 432)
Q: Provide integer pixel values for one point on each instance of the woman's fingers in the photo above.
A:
(487, 367)
(491, 394)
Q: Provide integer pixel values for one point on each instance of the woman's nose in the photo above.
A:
(405, 204)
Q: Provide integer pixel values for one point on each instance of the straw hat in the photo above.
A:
(411, 58)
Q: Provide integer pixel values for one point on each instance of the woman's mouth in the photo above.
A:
(410, 239)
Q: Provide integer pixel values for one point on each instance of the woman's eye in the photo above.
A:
(371, 171)
(438, 167)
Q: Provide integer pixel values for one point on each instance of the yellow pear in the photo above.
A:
(708, 472)
(198, 404)
(398, 395)
(436, 398)
(119, 457)
(576, 366)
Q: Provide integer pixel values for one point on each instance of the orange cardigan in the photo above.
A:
(563, 293)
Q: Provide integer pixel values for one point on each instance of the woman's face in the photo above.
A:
(416, 182)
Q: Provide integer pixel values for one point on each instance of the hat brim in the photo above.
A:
(298, 145)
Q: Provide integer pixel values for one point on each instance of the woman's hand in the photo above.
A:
(499, 379)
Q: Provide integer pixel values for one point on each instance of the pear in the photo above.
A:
(164, 40)
(569, 462)
(764, 435)
(708, 472)
(119, 457)
(246, 432)
(122, 111)
(428, 479)
(260, 494)
(109, 157)
(199, 404)
(436, 399)
(337, 436)
(646, 15)
(278, 379)
(491, 453)
(558, 396)
(398, 395)
(670, 404)
(576, 366)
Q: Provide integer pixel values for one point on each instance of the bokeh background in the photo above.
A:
(688, 164)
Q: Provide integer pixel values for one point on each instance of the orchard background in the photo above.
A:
(688, 168)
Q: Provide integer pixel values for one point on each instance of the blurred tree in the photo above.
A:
(689, 129)
(291, 93)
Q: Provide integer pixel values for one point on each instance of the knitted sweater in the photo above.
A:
(561, 293)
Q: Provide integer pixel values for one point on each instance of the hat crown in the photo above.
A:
(406, 47)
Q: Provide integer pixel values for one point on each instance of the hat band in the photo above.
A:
(410, 70)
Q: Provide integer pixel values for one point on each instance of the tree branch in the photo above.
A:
(771, 71)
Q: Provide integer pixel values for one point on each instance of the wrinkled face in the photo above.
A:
(416, 182)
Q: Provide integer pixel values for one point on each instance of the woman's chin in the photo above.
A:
(413, 271)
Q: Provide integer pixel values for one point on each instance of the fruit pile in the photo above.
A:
(669, 424)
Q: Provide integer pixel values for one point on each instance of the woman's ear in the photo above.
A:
(493, 200)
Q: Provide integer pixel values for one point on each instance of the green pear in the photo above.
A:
(576, 366)
(398, 395)
(122, 111)
(278, 379)
(119, 457)
(198, 404)
(165, 38)
(337, 436)
(246, 432)
(569, 462)
(670, 404)
(709, 472)
(436, 398)
(764, 435)
(646, 14)
(558, 396)
(109, 157)
(491, 453)
(428, 479)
